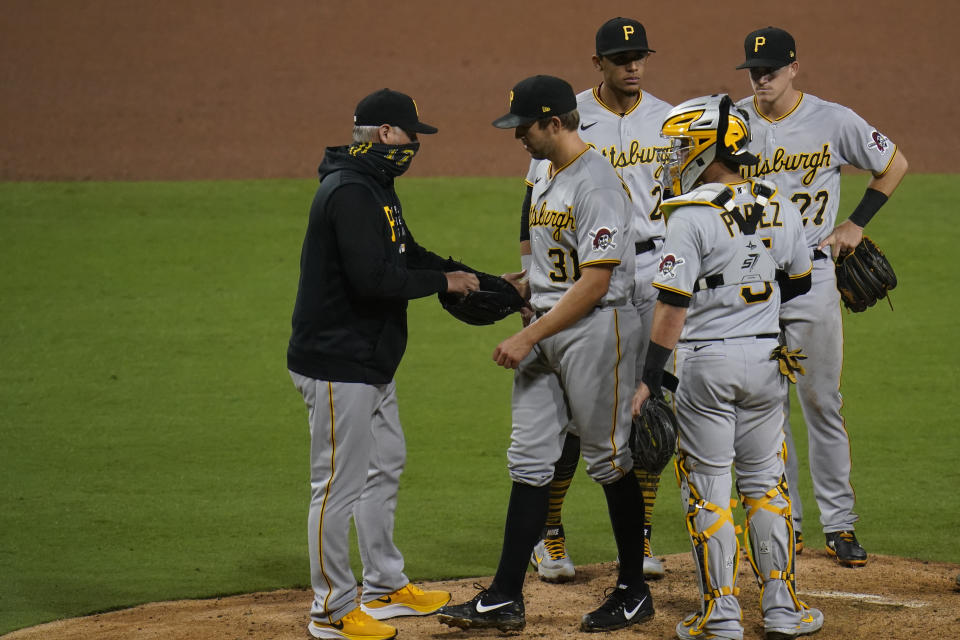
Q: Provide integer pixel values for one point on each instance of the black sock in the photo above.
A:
(525, 516)
(625, 504)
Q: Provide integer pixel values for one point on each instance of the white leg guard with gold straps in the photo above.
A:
(770, 542)
(705, 492)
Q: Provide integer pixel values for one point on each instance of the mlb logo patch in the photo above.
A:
(879, 141)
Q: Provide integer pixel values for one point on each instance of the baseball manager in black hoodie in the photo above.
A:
(358, 268)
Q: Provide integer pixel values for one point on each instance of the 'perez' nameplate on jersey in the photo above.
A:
(580, 215)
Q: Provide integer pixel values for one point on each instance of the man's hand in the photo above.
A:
(527, 315)
(512, 351)
(639, 398)
(520, 282)
(461, 282)
(844, 238)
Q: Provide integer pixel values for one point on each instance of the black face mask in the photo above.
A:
(390, 159)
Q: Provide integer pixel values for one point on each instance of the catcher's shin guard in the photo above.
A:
(770, 541)
(705, 492)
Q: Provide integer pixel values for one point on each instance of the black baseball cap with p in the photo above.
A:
(618, 35)
(390, 107)
(537, 97)
(770, 48)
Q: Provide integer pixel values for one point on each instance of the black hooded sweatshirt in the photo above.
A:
(358, 267)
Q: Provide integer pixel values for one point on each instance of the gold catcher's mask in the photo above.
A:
(694, 128)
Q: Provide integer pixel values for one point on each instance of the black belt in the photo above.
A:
(644, 247)
(759, 336)
(710, 282)
(819, 255)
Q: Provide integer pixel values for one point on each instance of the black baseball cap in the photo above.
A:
(621, 34)
(390, 107)
(770, 47)
(537, 97)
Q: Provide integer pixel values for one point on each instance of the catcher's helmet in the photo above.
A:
(694, 127)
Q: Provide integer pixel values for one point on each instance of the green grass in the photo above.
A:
(153, 446)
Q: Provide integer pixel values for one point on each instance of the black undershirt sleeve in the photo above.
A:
(790, 288)
(673, 298)
(525, 215)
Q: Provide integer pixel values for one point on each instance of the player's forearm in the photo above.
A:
(878, 190)
(668, 323)
(525, 256)
(577, 302)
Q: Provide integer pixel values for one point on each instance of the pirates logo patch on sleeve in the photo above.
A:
(668, 265)
(603, 239)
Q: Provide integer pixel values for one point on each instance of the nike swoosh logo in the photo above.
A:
(539, 559)
(338, 625)
(385, 599)
(584, 127)
(482, 608)
(537, 180)
(701, 346)
(629, 614)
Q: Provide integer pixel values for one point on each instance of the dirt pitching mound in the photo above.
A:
(891, 599)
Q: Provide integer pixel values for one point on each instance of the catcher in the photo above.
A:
(717, 306)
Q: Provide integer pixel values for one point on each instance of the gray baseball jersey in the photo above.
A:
(730, 392)
(735, 279)
(802, 153)
(631, 142)
(580, 215)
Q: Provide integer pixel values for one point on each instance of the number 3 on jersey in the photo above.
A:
(559, 258)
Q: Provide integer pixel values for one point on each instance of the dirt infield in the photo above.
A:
(217, 89)
(889, 599)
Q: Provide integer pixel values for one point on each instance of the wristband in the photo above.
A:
(657, 357)
(869, 205)
(525, 260)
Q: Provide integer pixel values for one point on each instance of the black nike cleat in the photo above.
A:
(488, 610)
(622, 608)
(843, 546)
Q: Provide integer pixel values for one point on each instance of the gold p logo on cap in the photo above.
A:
(627, 31)
(758, 42)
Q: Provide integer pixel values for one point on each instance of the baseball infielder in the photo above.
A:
(574, 362)
(622, 122)
(718, 304)
(802, 141)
